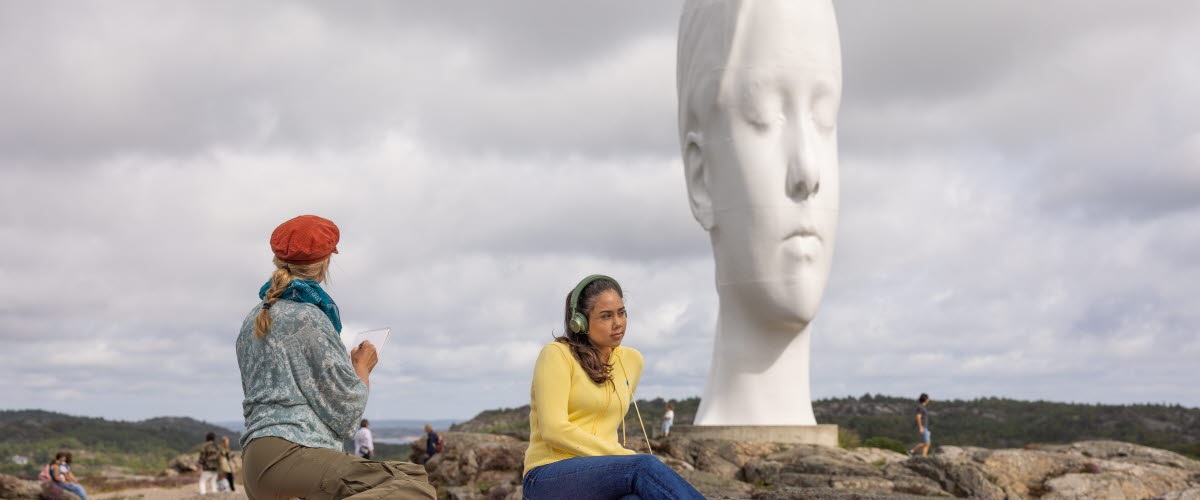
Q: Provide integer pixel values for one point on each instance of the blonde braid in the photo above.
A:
(280, 279)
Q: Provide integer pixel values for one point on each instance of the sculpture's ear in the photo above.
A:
(699, 196)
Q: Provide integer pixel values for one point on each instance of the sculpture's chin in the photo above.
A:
(781, 304)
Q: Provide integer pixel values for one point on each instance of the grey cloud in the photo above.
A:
(1083, 103)
(479, 77)
(1018, 196)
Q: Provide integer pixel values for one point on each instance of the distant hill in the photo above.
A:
(986, 422)
(144, 445)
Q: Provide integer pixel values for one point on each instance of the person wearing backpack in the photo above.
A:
(59, 472)
(210, 463)
(433, 443)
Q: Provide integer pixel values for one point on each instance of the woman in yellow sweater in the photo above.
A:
(583, 383)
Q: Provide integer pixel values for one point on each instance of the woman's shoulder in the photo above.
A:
(298, 315)
(630, 353)
(632, 357)
(556, 347)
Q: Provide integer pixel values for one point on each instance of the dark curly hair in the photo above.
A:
(587, 354)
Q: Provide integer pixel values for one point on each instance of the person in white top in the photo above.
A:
(668, 419)
(364, 444)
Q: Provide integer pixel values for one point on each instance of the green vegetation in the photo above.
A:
(848, 439)
(1006, 423)
(143, 447)
(388, 451)
(986, 422)
(885, 444)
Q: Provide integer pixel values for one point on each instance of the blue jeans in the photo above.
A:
(624, 477)
(73, 488)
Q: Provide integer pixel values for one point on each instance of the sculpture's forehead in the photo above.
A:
(786, 35)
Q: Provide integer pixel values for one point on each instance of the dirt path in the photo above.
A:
(188, 492)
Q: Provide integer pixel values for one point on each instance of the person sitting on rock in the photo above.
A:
(583, 383)
(60, 473)
(303, 395)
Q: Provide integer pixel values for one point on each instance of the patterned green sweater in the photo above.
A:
(298, 382)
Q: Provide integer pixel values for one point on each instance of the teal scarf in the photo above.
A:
(309, 292)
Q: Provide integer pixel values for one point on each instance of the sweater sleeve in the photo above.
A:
(552, 389)
(326, 378)
(634, 369)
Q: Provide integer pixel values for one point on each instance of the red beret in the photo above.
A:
(307, 239)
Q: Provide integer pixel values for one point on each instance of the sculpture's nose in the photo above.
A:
(803, 173)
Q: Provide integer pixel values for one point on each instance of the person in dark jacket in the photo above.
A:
(433, 443)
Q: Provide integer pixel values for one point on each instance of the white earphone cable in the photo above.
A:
(635, 409)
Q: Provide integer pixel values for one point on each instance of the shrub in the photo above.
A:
(886, 444)
(848, 439)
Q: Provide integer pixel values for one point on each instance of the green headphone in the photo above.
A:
(579, 323)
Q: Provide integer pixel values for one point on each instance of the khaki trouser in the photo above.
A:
(275, 468)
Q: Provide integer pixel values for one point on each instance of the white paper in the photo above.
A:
(375, 337)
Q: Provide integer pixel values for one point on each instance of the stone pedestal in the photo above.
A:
(822, 434)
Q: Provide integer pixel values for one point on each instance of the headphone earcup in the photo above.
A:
(578, 323)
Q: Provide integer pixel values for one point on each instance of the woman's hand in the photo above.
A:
(364, 358)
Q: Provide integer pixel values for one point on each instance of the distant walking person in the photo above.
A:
(922, 426)
(433, 443)
(60, 473)
(364, 443)
(303, 394)
(210, 464)
(226, 465)
(668, 419)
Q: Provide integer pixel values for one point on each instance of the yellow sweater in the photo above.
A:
(571, 416)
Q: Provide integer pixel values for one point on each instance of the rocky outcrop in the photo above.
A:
(50, 491)
(486, 466)
(475, 466)
(13, 488)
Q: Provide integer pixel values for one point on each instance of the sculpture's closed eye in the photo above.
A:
(761, 108)
(825, 108)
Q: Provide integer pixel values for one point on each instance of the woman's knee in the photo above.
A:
(646, 461)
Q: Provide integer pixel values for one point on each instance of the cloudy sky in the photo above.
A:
(1020, 196)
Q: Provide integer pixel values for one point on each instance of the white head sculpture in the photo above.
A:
(760, 83)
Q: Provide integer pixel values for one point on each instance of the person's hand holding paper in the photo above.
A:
(365, 350)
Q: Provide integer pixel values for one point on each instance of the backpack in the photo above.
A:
(44, 476)
(210, 457)
(440, 444)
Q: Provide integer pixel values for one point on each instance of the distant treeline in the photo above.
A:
(144, 446)
(988, 422)
(985, 422)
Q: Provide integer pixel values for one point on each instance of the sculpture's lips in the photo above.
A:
(803, 244)
(803, 233)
